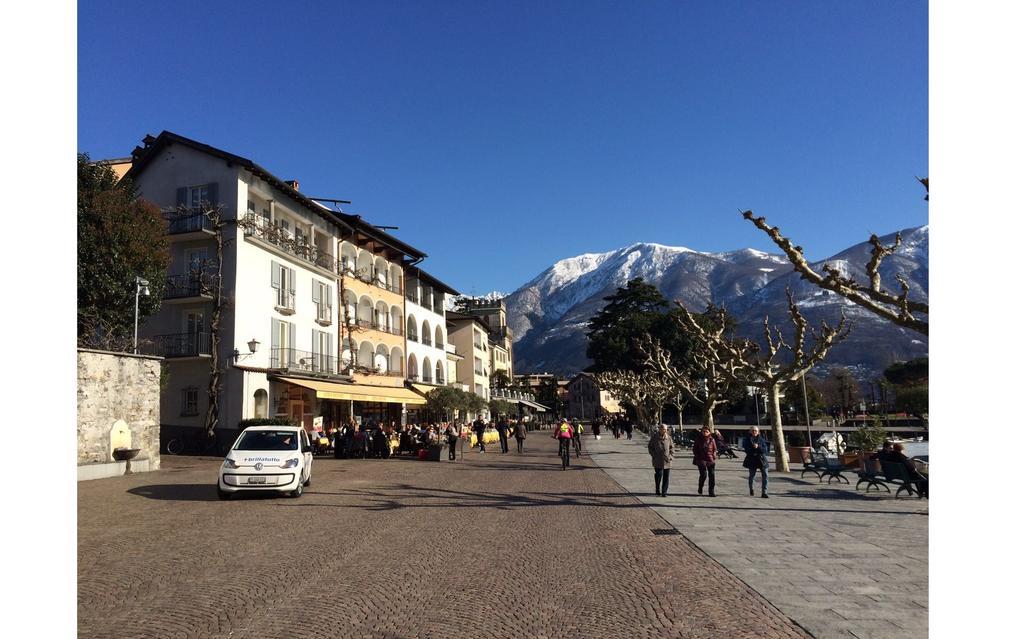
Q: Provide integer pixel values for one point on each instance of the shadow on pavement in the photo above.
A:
(177, 492)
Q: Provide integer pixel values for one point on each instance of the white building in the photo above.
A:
(293, 272)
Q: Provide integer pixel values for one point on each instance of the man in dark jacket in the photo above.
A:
(503, 427)
(756, 448)
(520, 433)
(479, 427)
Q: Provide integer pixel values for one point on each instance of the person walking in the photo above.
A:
(452, 434)
(520, 433)
(704, 452)
(629, 429)
(479, 427)
(503, 428)
(756, 448)
(661, 449)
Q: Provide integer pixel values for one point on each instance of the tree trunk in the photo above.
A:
(707, 413)
(781, 458)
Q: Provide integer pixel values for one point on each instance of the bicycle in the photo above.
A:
(563, 451)
(578, 445)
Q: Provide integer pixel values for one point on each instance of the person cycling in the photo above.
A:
(563, 433)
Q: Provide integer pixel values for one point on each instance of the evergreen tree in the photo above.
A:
(120, 237)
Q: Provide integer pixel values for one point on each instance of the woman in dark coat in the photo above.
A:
(704, 453)
(660, 447)
(756, 448)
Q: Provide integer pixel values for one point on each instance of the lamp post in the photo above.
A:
(141, 288)
(807, 412)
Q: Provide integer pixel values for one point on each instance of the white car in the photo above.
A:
(267, 458)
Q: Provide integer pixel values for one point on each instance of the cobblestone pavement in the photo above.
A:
(490, 547)
(841, 563)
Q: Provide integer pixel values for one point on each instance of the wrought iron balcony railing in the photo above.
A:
(181, 345)
(257, 226)
(303, 361)
(187, 221)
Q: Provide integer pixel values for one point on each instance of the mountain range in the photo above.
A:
(549, 314)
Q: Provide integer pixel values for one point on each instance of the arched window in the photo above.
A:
(365, 357)
(396, 320)
(438, 337)
(425, 335)
(410, 329)
(396, 360)
(259, 403)
(414, 371)
(427, 370)
(381, 359)
(439, 373)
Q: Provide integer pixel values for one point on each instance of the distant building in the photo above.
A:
(586, 399)
(492, 312)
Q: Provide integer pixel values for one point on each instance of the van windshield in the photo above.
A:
(268, 440)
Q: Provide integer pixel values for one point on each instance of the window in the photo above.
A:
(282, 280)
(282, 344)
(478, 366)
(197, 195)
(323, 352)
(189, 401)
(322, 298)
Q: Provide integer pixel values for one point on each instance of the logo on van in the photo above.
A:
(258, 466)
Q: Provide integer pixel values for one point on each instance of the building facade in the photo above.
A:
(311, 317)
(586, 400)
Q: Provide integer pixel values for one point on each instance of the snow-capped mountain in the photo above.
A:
(549, 314)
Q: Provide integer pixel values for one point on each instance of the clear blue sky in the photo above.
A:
(503, 136)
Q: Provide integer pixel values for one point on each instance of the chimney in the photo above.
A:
(292, 183)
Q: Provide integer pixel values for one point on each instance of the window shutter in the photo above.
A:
(275, 357)
(182, 197)
(329, 298)
(291, 335)
(291, 281)
(211, 194)
(275, 275)
(316, 292)
(316, 343)
(330, 346)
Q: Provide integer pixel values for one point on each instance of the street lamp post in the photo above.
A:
(141, 288)
(807, 412)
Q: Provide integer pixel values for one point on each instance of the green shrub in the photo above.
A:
(868, 438)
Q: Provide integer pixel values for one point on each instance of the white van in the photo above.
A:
(267, 458)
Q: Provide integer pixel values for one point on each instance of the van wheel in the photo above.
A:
(297, 492)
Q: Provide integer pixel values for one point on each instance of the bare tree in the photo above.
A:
(705, 373)
(646, 392)
(208, 277)
(895, 307)
(750, 364)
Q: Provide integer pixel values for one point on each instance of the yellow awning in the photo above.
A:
(424, 388)
(357, 392)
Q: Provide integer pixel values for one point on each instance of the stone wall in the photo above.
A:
(113, 388)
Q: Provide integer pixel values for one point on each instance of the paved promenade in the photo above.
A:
(839, 563)
(491, 547)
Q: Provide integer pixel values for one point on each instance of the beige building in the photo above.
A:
(469, 336)
(499, 337)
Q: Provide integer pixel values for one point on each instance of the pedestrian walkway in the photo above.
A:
(839, 563)
(496, 546)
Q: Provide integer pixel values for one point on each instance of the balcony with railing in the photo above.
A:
(292, 360)
(177, 345)
(373, 277)
(426, 341)
(181, 221)
(257, 226)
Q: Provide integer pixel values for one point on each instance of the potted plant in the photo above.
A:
(867, 440)
(798, 447)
